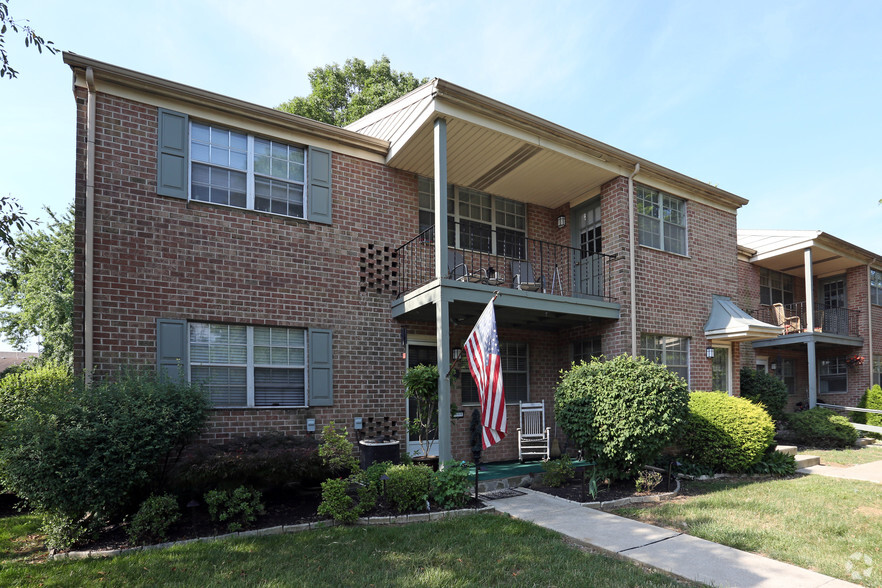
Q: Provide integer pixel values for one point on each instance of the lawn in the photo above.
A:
(813, 522)
(846, 457)
(481, 550)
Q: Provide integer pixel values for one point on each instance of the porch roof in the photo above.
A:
(783, 251)
(727, 322)
(499, 149)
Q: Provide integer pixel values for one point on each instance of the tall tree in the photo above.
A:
(341, 95)
(30, 38)
(36, 291)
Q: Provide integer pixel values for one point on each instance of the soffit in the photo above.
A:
(784, 251)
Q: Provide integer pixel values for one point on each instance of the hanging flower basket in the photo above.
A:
(855, 360)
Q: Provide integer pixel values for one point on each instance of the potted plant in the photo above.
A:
(421, 384)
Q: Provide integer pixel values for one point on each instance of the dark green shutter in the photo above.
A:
(321, 376)
(172, 157)
(171, 348)
(319, 196)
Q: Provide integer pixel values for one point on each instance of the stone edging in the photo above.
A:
(610, 504)
(281, 529)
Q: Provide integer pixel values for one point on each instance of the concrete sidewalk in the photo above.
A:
(677, 553)
(868, 472)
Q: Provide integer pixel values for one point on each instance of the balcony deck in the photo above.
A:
(833, 326)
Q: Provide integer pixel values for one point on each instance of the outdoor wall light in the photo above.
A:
(561, 221)
(710, 352)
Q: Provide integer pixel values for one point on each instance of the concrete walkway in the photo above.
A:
(868, 472)
(685, 556)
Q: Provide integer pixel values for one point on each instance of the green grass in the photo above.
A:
(481, 550)
(813, 522)
(20, 539)
(846, 457)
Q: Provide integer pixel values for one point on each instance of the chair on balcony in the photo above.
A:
(458, 270)
(534, 438)
(791, 324)
(523, 277)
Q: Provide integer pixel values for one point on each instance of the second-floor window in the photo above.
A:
(876, 286)
(235, 169)
(775, 287)
(661, 220)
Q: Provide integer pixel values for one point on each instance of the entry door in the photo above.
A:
(721, 370)
(588, 241)
(835, 319)
(426, 354)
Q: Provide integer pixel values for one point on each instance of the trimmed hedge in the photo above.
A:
(821, 427)
(872, 398)
(764, 388)
(725, 432)
(408, 486)
(35, 382)
(621, 413)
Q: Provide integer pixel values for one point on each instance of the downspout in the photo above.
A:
(90, 229)
(870, 326)
(632, 256)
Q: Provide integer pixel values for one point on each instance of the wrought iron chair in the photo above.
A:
(523, 277)
(791, 324)
(534, 438)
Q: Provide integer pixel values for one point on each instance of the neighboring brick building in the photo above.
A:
(289, 266)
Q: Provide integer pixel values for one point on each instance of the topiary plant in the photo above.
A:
(764, 388)
(621, 412)
(408, 486)
(821, 427)
(872, 398)
(725, 432)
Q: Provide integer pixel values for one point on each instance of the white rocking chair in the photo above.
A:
(534, 438)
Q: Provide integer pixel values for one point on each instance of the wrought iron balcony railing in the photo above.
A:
(836, 321)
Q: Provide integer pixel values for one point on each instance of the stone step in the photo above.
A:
(805, 461)
(864, 441)
(787, 449)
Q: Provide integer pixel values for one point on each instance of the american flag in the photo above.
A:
(482, 350)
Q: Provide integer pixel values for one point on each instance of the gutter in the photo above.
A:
(632, 256)
(88, 338)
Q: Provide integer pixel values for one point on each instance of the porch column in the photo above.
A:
(442, 310)
(810, 326)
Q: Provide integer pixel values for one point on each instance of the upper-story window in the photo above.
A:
(661, 219)
(244, 171)
(875, 286)
(477, 221)
(775, 287)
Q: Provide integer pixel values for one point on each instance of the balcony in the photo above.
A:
(541, 283)
(831, 325)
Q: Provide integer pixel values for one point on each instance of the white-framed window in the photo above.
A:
(249, 366)
(661, 220)
(515, 375)
(833, 376)
(787, 374)
(721, 370)
(586, 349)
(876, 287)
(775, 287)
(486, 223)
(237, 169)
(672, 352)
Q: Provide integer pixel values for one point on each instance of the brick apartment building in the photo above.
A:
(295, 269)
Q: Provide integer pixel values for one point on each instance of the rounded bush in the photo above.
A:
(153, 519)
(765, 389)
(408, 486)
(872, 398)
(821, 427)
(621, 413)
(726, 432)
(34, 382)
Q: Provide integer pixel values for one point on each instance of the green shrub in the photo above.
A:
(63, 532)
(238, 508)
(408, 486)
(764, 388)
(18, 388)
(557, 472)
(91, 455)
(872, 399)
(622, 412)
(726, 433)
(774, 463)
(647, 480)
(266, 462)
(450, 485)
(150, 524)
(337, 451)
(821, 427)
(336, 502)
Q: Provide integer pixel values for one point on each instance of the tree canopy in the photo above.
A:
(30, 38)
(341, 95)
(36, 290)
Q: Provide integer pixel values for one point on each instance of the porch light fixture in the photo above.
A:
(561, 221)
(710, 352)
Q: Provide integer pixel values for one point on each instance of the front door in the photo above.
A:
(426, 354)
(588, 241)
(835, 315)
(721, 369)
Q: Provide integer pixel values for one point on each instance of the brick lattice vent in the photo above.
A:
(378, 269)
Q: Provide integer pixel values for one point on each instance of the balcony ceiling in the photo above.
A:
(784, 251)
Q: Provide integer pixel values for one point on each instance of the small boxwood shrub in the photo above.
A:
(19, 387)
(821, 427)
(450, 485)
(336, 501)
(557, 472)
(872, 398)
(408, 486)
(150, 524)
(621, 413)
(238, 508)
(765, 389)
(726, 433)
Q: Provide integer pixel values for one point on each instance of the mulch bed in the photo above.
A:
(615, 491)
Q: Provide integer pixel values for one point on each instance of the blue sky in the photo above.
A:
(777, 102)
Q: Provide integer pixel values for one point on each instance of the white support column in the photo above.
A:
(442, 310)
(810, 328)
